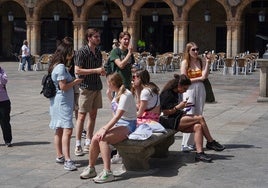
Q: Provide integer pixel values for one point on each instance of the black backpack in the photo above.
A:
(49, 88)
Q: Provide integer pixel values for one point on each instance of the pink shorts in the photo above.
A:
(147, 117)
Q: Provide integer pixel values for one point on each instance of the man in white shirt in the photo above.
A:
(26, 56)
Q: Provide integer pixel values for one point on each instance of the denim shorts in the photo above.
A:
(131, 124)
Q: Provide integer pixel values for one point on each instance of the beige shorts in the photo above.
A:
(89, 100)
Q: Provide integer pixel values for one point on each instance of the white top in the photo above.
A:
(25, 51)
(127, 103)
(150, 97)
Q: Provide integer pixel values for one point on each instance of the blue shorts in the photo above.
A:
(131, 124)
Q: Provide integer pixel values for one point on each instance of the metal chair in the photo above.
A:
(229, 63)
(241, 66)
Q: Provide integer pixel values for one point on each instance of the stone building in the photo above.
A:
(231, 26)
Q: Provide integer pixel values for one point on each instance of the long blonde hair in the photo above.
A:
(116, 80)
(187, 56)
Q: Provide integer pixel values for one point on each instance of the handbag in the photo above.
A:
(171, 121)
(209, 92)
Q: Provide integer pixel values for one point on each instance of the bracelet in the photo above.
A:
(104, 128)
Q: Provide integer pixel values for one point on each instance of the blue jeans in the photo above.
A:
(29, 62)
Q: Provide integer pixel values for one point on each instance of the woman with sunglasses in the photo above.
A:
(197, 69)
(172, 103)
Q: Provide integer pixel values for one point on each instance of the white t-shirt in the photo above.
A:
(150, 97)
(25, 51)
(127, 103)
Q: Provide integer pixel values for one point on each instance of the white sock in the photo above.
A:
(78, 143)
(87, 142)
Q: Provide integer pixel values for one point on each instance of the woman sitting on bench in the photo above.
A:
(147, 97)
(173, 107)
(115, 131)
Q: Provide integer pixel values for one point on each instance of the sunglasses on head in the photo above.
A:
(195, 49)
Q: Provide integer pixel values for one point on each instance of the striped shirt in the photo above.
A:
(86, 59)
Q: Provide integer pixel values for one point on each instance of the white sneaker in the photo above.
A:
(104, 177)
(69, 165)
(88, 172)
(78, 151)
(116, 159)
(187, 148)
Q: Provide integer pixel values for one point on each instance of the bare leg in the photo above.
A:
(91, 123)
(79, 125)
(66, 142)
(58, 142)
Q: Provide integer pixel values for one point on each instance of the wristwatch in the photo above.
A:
(78, 3)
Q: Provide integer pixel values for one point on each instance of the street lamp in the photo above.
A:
(104, 15)
(207, 16)
(155, 16)
(56, 16)
(10, 16)
(262, 16)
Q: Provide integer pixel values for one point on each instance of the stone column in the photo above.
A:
(34, 36)
(79, 33)
(229, 39)
(263, 63)
(180, 35)
(131, 27)
(233, 37)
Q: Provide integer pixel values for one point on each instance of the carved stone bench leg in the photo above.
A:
(161, 149)
(138, 161)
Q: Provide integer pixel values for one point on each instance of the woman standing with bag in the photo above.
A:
(197, 69)
(61, 106)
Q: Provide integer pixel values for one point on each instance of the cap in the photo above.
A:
(115, 40)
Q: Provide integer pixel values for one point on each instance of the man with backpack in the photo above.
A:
(88, 65)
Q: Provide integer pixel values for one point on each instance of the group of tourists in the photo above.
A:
(135, 100)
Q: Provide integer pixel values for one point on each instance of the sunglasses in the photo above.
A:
(195, 49)
(134, 76)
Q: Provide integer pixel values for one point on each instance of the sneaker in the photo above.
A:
(187, 148)
(9, 145)
(78, 151)
(86, 149)
(202, 157)
(88, 172)
(69, 165)
(116, 159)
(104, 177)
(84, 134)
(214, 145)
(60, 159)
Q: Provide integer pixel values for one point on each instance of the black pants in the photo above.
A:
(5, 108)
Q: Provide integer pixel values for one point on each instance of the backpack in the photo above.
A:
(110, 66)
(49, 89)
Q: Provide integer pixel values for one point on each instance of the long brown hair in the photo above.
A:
(64, 49)
(116, 80)
(145, 81)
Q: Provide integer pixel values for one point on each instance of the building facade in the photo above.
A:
(233, 26)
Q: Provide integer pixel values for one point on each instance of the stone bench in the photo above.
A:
(136, 153)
